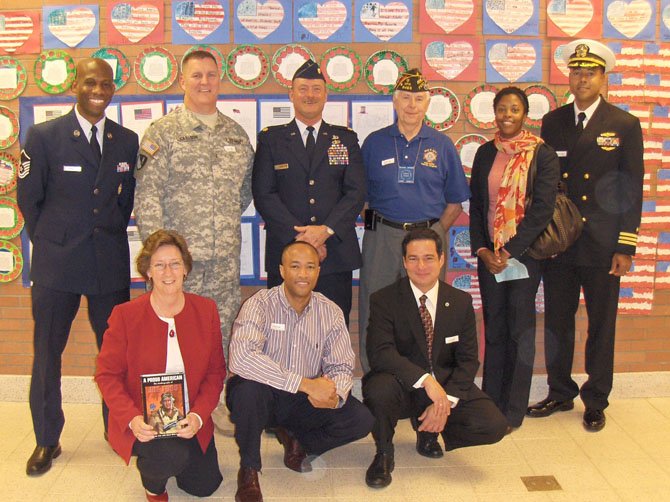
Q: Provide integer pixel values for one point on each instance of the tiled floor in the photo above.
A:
(628, 460)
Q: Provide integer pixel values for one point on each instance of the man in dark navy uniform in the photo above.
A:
(75, 191)
(308, 184)
(600, 150)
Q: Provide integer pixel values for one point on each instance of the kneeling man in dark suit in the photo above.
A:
(422, 348)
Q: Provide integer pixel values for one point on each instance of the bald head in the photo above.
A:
(94, 87)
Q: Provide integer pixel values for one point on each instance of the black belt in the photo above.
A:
(407, 226)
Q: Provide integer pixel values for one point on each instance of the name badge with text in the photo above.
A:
(72, 169)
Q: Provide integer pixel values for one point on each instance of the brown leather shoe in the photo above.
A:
(294, 455)
(40, 461)
(248, 489)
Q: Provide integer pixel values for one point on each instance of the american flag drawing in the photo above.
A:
(640, 276)
(629, 55)
(657, 88)
(663, 183)
(199, 19)
(449, 14)
(142, 113)
(468, 282)
(15, 29)
(460, 256)
(665, 154)
(660, 120)
(653, 147)
(281, 112)
(647, 243)
(635, 301)
(662, 280)
(663, 246)
(624, 88)
(655, 215)
(641, 111)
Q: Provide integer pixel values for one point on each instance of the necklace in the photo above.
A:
(397, 156)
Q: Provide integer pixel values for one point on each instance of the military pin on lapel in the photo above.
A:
(446, 304)
(76, 133)
(109, 135)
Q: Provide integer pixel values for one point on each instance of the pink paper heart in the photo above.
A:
(512, 62)
(261, 19)
(451, 13)
(629, 18)
(322, 20)
(71, 26)
(570, 16)
(200, 19)
(384, 21)
(560, 62)
(449, 60)
(135, 21)
(14, 31)
(512, 16)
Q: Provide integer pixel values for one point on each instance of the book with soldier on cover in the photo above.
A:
(163, 400)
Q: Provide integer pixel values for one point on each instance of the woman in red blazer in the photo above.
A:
(164, 331)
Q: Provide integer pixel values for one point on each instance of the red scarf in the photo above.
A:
(510, 204)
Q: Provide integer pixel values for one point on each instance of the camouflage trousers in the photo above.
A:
(212, 279)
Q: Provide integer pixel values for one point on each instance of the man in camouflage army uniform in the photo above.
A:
(194, 176)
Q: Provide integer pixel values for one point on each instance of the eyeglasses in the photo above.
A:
(162, 266)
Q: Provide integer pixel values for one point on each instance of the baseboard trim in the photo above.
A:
(83, 389)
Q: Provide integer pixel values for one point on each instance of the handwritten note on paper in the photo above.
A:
(71, 26)
(135, 22)
(197, 20)
(54, 71)
(513, 61)
(506, 17)
(368, 116)
(6, 261)
(632, 19)
(156, 68)
(449, 60)
(7, 217)
(321, 22)
(448, 16)
(268, 21)
(570, 16)
(383, 21)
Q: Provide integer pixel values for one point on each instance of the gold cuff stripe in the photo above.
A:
(628, 242)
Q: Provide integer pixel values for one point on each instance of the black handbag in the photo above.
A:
(566, 223)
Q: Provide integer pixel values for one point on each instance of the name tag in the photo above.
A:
(281, 167)
(451, 339)
(561, 153)
(278, 327)
(228, 148)
(72, 169)
(386, 162)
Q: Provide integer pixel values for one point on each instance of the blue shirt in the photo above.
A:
(429, 162)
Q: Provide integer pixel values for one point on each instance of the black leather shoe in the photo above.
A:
(427, 445)
(40, 461)
(378, 474)
(594, 420)
(548, 406)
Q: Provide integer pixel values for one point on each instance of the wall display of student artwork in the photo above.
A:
(135, 21)
(513, 60)
(342, 68)
(455, 59)
(383, 21)
(449, 17)
(11, 261)
(20, 32)
(13, 78)
(478, 106)
(54, 71)
(201, 21)
(541, 100)
(70, 26)
(382, 70)
(268, 22)
(328, 21)
(574, 18)
(119, 63)
(510, 17)
(155, 69)
(287, 60)
(467, 147)
(665, 19)
(247, 66)
(9, 127)
(9, 168)
(443, 110)
(558, 68)
(634, 20)
(11, 219)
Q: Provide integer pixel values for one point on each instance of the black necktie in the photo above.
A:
(311, 142)
(580, 122)
(95, 146)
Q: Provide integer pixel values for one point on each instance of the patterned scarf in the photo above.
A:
(510, 204)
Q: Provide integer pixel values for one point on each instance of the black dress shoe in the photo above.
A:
(548, 406)
(378, 474)
(40, 461)
(594, 420)
(427, 445)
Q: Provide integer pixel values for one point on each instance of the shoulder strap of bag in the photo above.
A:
(532, 173)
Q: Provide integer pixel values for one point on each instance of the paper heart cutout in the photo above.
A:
(71, 26)
(135, 21)
(261, 19)
(629, 18)
(462, 247)
(665, 16)
(451, 13)
(560, 62)
(570, 17)
(322, 20)
(384, 21)
(199, 19)
(449, 60)
(14, 31)
(512, 62)
(512, 16)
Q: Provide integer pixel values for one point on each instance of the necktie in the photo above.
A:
(95, 146)
(427, 322)
(311, 142)
(580, 123)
